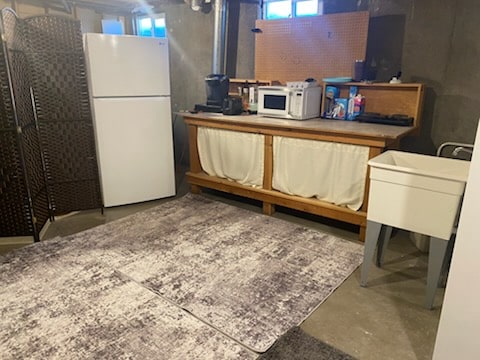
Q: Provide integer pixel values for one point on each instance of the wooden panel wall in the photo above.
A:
(318, 46)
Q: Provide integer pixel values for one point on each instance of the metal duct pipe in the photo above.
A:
(220, 26)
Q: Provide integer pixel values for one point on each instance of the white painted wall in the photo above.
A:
(459, 328)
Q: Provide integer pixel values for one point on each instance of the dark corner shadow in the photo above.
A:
(394, 276)
(415, 254)
(232, 37)
(423, 143)
(384, 47)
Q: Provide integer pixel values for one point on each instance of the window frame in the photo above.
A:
(293, 9)
(138, 18)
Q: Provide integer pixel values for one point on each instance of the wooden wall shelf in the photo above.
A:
(386, 98)
(236, 83)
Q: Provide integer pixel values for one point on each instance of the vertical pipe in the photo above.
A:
(220, 24)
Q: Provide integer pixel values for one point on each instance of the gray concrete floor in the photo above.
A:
(385, 320)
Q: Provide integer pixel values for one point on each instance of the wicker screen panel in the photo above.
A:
(16, 218)
(7, 118)
(47, 150)
(29, 139)
(26, 158)
(74, 170)
(71, 194)
(36, 179)
(57, 63)
(7, 115)
(16, 210)
(319, 46)
(66, 98)
(53, 33)
(21, 82)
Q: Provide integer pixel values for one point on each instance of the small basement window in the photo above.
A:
(281, 9)
(151, 25)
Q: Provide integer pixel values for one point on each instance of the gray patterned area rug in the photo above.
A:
(192, 278)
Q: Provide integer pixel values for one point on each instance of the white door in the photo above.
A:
(135, 149)
(126, 65)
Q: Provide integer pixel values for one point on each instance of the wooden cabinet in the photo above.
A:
(386, 98)
(375, 137)
(382, 98)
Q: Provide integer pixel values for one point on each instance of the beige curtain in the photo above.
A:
(232, 155)
(331, 172)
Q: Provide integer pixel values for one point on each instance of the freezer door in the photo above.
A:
(126, 65)
(134, 149)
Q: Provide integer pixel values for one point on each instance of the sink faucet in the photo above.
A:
(459, 149)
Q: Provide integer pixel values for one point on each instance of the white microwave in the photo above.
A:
(289, 103)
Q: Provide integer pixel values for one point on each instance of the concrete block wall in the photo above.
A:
(440, 49)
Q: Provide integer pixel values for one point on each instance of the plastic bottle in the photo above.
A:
(253, 99)
(245, 96)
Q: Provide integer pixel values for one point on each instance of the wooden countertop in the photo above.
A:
(333, 130)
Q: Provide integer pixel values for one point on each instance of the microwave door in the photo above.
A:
(275, 102)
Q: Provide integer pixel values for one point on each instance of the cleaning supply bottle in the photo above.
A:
(253, 99)
(245, 96)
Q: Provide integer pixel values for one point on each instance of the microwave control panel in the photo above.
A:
(302, 84)
(296, 103)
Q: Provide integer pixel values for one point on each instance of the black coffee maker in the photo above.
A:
(217, 91)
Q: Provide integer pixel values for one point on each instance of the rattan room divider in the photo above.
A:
(48, 163)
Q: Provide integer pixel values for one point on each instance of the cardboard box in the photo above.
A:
(340, 108)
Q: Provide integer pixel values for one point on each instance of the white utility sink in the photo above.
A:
(419, 193)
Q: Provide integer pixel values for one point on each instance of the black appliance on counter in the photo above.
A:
(232, 105)
(217, 86)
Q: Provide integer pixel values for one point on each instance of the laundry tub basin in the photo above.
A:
(415, 192)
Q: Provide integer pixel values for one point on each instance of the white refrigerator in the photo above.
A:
(129, 82)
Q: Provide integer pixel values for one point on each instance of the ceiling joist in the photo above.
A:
(113, 7)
